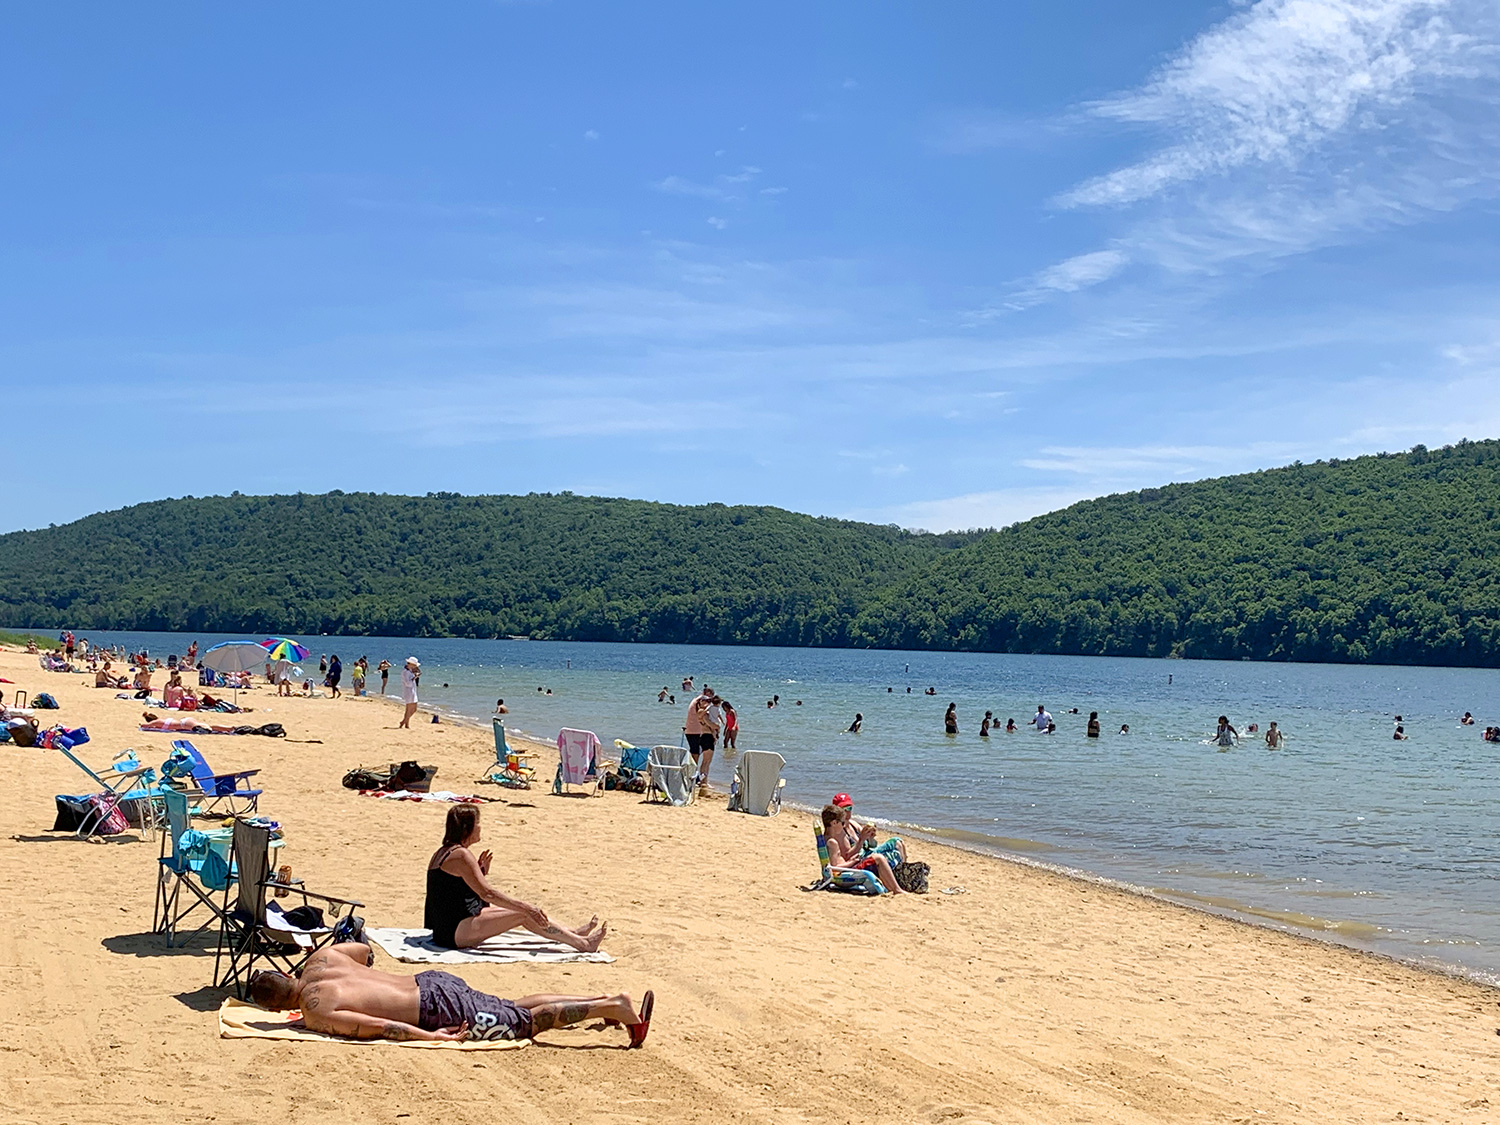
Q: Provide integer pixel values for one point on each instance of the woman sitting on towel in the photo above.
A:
(458, 890)
(842, 857)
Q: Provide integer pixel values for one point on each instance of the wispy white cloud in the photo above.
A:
(1299, 124)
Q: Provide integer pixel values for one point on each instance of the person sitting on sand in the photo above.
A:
(841, 857)
(458, 889)
(1274, 737)
(860, 838)
(172, 694)
(339, 993)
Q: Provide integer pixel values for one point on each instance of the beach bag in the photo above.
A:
(271, 730)
(23, 735)
(363, 779)
(44, 702)
(912, 876)
(404, 775)
(113, 822)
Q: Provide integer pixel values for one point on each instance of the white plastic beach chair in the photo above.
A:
(669, 772)
(757, 783)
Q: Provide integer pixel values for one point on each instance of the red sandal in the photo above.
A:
(638, 1031)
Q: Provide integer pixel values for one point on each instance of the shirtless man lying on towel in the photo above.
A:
(340, 994)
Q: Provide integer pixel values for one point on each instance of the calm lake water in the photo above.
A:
(1344, 833)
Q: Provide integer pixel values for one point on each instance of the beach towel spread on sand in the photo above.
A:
(415, 947)
(441, 796)
(239, 1020)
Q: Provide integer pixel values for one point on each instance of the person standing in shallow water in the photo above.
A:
(950, 719)
(984, 727)
(384, 668)
(1093, 731)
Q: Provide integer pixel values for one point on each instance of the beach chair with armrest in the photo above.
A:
(191, 865)
(669, 775)
(121, 782)
(840, 878)
(254, 927)
(219, 788)
(511, 768)
(757, 783)
(578, 761)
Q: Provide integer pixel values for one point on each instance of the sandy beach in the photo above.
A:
(1031, 997)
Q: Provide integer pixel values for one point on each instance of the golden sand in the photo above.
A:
(1032, 997)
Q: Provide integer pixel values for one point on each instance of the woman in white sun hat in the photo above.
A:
(409, 677)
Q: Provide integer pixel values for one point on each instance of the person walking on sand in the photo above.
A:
(411, 675)
(950, 719)
(384, 668)
(335, 674)
(700, 736)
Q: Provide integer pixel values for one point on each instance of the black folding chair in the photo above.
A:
(255, 928)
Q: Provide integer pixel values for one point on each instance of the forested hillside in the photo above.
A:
(1391, 558)
(563, 566)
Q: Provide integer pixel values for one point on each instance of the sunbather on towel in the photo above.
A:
(458, 889)
(844, 858)
(340, 994)
(181, 726)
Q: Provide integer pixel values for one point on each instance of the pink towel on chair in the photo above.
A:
(579, 752)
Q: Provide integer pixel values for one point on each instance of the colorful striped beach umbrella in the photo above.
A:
(279, 648)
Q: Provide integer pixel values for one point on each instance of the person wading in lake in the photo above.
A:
(1093, 731)
(950, 719)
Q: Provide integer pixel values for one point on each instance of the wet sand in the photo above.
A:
(1031, 997)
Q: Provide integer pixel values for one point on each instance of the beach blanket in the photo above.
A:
(440, 795)
(239, 1020)
(415, 948)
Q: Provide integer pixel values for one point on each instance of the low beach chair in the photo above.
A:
(839, 879)
(218, 788)
(511, 769)
(256, 930)
(757, 783)
(119, 783)
(669, 773)
(578, 761)
(186, 864)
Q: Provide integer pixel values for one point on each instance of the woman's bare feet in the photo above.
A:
(587, 926)
(594, 938)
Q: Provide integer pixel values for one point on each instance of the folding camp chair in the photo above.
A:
(669, 772)
(578, 761)
(856, 882)
(256, 930)
(510, 769)
(757, 783)
(125, 780)
(188, 863)
(217, 788)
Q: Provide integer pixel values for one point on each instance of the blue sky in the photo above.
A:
(943, 265)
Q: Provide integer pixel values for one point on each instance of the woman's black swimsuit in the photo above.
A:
(450, 900)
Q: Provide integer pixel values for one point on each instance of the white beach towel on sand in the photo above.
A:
(415, 948)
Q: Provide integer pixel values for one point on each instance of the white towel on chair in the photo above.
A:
(415, 947)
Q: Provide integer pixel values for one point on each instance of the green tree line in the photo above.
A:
(1393, 558)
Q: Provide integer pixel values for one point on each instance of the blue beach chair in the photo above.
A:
(855, 882)
(218, 787)
(124, 781)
